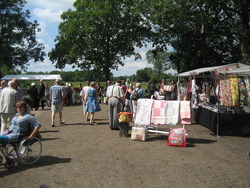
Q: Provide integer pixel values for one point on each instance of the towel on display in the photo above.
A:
(185, 112)
(172, 112)
(158, 112)
(143, 112)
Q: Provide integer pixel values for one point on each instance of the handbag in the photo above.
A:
(139, 133)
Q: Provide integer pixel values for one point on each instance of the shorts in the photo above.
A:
(57, 108)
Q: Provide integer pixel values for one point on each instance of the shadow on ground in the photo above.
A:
(43, 161)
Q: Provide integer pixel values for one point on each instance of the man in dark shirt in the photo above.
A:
(41, 93)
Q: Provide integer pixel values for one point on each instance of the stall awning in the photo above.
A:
(32, 77)
(240, 71)
(220, 69)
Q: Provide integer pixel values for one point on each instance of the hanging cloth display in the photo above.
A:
(234, 90)
(243, 92)
(225, 92)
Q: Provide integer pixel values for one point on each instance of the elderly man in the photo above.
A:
(8, 99)
(115, 102)
(57, 94)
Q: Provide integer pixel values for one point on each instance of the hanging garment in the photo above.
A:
(225, 92)
(143, 113)
(243, 92)
(172, 112)
(158, 112)
(234, 90)
(194, 93)
(247, 83)
(185, 113)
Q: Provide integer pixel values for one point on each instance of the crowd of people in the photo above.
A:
(119, 96)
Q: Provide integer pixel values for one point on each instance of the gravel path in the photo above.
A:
(80, 155)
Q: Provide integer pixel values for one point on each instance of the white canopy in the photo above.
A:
(220, 69)
(32, 77)
(240, 71)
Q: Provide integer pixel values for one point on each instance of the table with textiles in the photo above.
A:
(229, 124)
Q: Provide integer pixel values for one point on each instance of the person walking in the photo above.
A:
(47, 95)
(34, 96)
(8, 99)
(57, 94)
(92, 104)
(115, 102)
(41, 93)
(84, 92)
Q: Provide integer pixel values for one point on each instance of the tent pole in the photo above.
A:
(218, 107)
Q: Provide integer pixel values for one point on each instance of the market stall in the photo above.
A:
(219, 98)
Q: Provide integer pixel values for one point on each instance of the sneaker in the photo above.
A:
(62, 122)
(52, 125)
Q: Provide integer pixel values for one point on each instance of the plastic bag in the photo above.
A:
(177, 137)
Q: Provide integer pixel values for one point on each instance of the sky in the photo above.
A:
(47, 13)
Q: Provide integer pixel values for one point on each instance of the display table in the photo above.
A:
(229, 124)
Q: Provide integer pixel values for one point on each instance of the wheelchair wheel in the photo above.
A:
(29, 151)
(10, 164)
(1, 159)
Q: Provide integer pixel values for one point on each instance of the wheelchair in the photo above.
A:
(22, 151)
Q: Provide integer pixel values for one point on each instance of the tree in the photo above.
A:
(18, 42)
(143, 75)
(202, 33)
(98, 34)
(160, 60)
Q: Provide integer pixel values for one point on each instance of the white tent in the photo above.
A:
(32, 77)
(240, 71)
(220, 69)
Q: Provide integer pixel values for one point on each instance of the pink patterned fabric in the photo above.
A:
(143, 113)
(158, 112)
(225, 93)
(185, 113)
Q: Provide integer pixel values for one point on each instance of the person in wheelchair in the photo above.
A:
(20, 125)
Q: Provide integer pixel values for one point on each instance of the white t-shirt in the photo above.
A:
(84, 91)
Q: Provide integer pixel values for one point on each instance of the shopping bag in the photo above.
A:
(139, 133)
(177, 137)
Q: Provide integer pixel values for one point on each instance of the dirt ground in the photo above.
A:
(80, 155)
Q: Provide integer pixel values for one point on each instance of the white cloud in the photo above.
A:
(48, 14)
(52, 4)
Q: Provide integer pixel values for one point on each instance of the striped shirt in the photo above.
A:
(56, 94)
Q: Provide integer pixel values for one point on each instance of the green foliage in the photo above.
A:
(5, 70)
(160, 60)
(18, 42)
(97, 35)
(202, 33)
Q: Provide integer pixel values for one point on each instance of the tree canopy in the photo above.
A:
(18, 42)
(160, 60)
(201, 33)
(97, 35)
